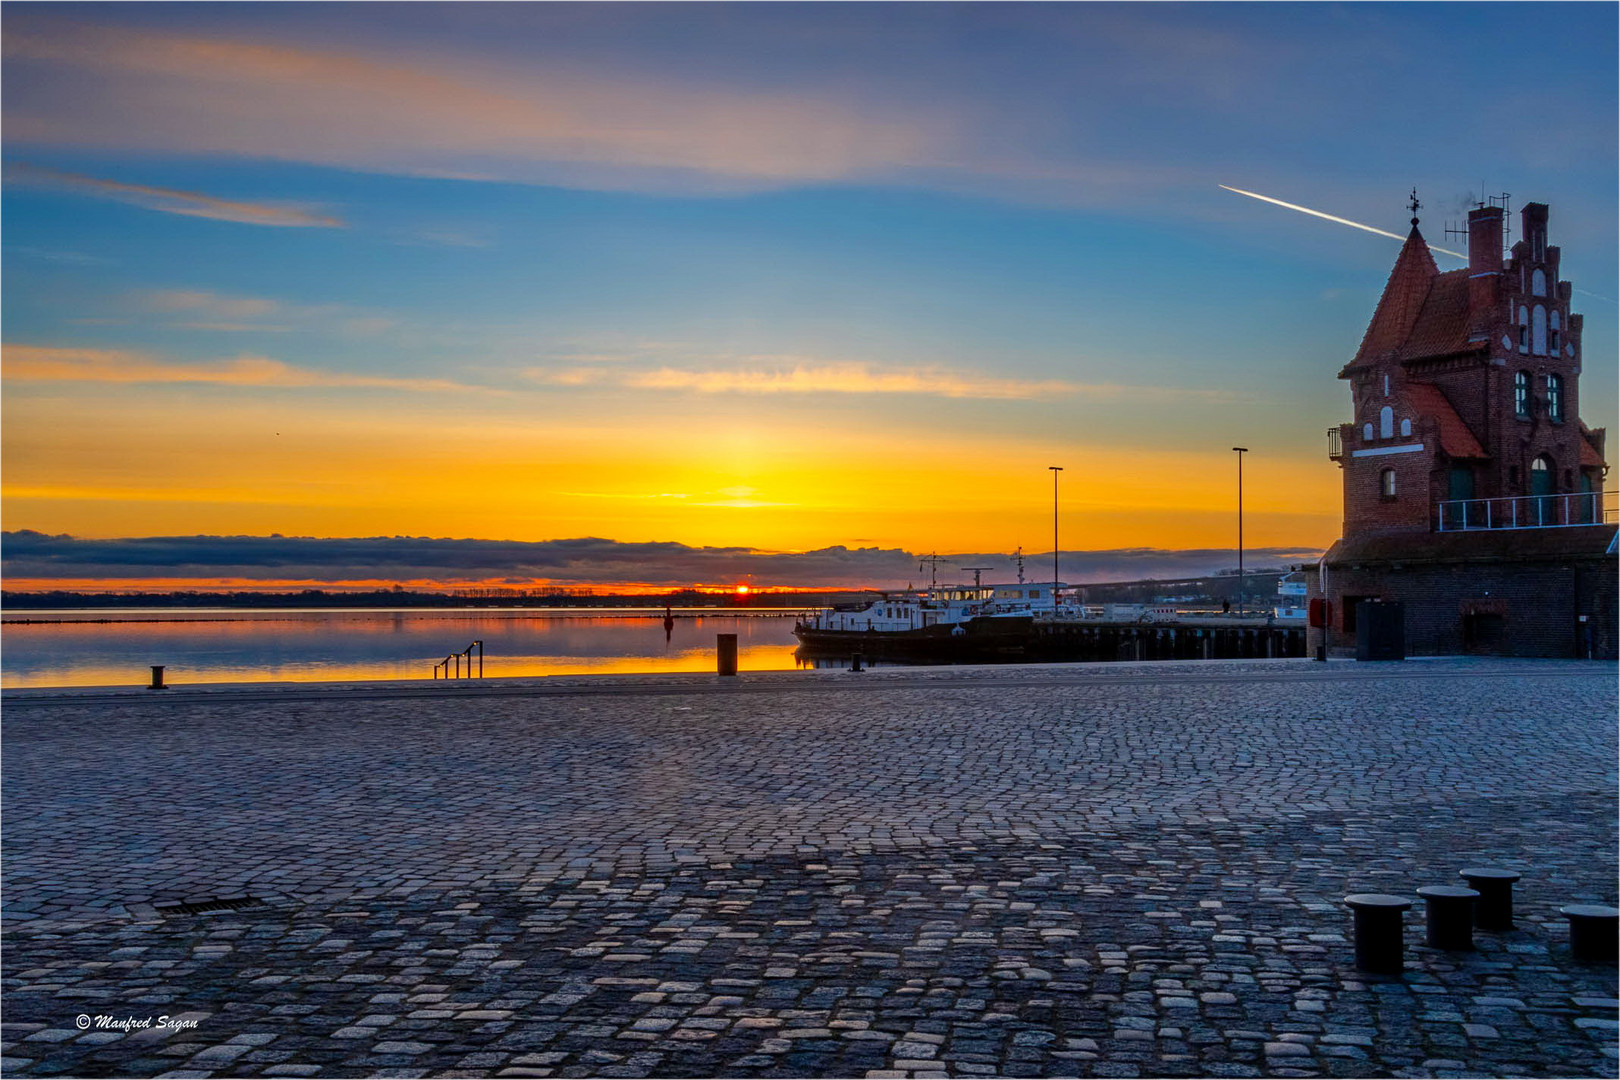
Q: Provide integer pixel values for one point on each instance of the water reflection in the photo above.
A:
(116, 648)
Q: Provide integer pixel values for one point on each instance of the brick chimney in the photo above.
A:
(1484, 268)
(1533, 219)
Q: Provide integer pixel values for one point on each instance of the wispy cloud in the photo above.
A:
(200, 309)
(846, 378)
(444, 115)
(172, 201)
(37, 363)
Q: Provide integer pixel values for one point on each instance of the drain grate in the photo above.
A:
(203, 907)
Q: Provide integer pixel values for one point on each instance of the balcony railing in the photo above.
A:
(1335, 443)
(1527, 511)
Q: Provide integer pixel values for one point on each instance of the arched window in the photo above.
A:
(1386, 483)
(1538, 331)
(1386, 423)
(1366, 432)
(1524, 329)
(1538, 283)
(1555, 398)
(1552, 332)
(1521, 394)
(1406, 426)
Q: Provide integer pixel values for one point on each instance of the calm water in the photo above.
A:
(117, 648)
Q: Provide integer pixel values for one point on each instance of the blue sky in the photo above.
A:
(781, 276)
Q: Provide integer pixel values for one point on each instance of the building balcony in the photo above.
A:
(1528, 512)
(1335, 443)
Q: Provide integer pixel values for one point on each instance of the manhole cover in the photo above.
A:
(203, 907)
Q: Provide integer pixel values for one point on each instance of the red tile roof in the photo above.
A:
(1589, 454)
(1456, 439)
(1398, 308)
(1442, 324)
(1484, 545)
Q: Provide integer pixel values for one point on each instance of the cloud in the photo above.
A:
(37, 363)
(848, 378)
(479, 118)
(170, 201)
(33, 556)
(203, 310)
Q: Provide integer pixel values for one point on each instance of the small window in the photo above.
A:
(1555, 398)
(1524, 329)
(1386, 423)
(1521, 395)
(1406, 426)
(1386, 484)
(1552, 332)
(1366, 431)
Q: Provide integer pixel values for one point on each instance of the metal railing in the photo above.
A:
(1335, 443)
(1527, 511)
(457, 657)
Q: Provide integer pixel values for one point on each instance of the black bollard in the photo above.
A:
(1378, 931)
(157, 678)
(726, 650)
(1593, 936)
(855, 662)
(1449, 916)
(1494, 908)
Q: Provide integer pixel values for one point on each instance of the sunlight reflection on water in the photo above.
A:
(117, 648)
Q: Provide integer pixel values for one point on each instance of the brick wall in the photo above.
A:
(1539, 603)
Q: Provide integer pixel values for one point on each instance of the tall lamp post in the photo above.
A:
(1240, 451)
(1055, 470)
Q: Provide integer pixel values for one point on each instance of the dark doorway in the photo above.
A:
(1484, 633)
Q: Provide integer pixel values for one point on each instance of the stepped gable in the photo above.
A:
(1398, 308)
(1456, 439)
(1441, 328)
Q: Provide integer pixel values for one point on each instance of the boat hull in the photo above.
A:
(954, 643)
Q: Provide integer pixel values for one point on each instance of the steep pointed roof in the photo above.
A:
(1398, 308)
(1427, 399)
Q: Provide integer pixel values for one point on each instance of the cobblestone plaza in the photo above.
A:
(1075, 870)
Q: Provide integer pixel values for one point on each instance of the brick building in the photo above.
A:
(1472, 491)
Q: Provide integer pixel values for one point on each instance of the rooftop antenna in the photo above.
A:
(1505, 201)
(1019, 555)
(931, 561)
(977, 570)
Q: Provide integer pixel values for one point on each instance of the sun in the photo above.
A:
(742, 590)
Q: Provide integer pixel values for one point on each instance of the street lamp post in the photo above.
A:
(1240, 451)
(1055, 470)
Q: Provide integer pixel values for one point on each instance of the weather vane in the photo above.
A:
(1414, 204)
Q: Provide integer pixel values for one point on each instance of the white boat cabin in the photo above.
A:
(943, 605)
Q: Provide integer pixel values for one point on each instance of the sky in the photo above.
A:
(767, 281)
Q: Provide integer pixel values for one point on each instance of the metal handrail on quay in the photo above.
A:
(457, 657)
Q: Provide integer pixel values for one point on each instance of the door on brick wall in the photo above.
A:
(1483, 633)
(1541, 489)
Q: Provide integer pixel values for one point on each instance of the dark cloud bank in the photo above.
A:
(585, 561)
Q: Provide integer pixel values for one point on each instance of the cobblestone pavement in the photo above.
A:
(1078, 870)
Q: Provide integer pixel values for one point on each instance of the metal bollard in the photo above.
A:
(157, 678)
(1449, 916)
(1379, 947)
(1593, 936)
(855, 662)
(726, 649)
(1494, 908)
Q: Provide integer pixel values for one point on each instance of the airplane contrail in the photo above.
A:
(1340, 220)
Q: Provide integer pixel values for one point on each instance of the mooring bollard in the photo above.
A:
(1378, 931)
(726, 652)
(1593, 936)
(157, 678)
(855, 662)
(1494, 908)
(1449, 916)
